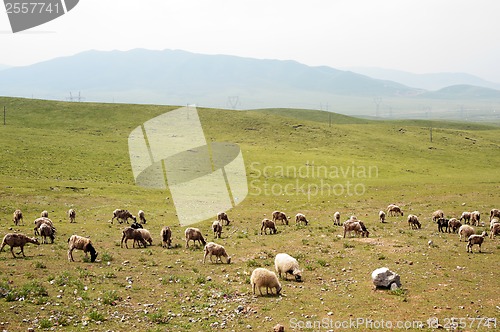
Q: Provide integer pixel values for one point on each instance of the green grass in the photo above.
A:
(58, 155)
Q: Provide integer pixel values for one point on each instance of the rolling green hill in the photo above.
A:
(59, 155)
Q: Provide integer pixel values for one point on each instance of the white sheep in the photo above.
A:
(132, 234)
(437, 215)
(266, 223)
(40, 221)
(465, 217)
(475, 239)
(493, 222)
(46, 231)
(18, 217)
(214, 249)
(194, 234)
(301, 218)
(217, 229)
(222, 216)
(336, 218)
(278, 215)
(394, 210)
(166, 237)
(381, 216)
(141, 216)
(17, 240)
(413, 222)
(475, 218)
(71, 215)
(264, 278)
(465, 231)
(146, 235)
(44, 214)
(81, 243)
(284, 263)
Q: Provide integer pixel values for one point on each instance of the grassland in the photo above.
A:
(59, 155)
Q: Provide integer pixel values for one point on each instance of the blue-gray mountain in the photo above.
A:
(177, 78)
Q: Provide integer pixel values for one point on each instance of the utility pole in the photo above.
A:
(4, 115)
(430, 133)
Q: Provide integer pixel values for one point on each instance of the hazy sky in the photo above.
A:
(419, 36)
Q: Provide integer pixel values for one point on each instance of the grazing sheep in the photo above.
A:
(475, 218)
(47, 231)
(266, 223)
(212, 248)
(132, 234)
(122, 215)
(454, 225)
(166, 237)
(394, 210)
(17, 240)
(194, 234)
(17, 217)
(357, 226)
(493, 222)
(494, 230)
(40, 221)
(222, 216)
(146, 235)
(465, 217)
(264, 278)
(436, 215)
(142, 218)
(443, 225)
(71, 215)
(277, 215)
(301, 218)
(413, 222)
(336, 218)
(381, 216)
(44, 214)
(284, 263)
(475, 239)
(494, 213)
(81, 243)
(217, 228)
(465, 231)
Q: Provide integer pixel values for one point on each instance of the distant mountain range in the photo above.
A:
(177, 77)
(433, 81)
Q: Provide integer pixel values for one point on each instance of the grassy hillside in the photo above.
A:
(59, 155)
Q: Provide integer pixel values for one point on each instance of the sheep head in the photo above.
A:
(298, 275)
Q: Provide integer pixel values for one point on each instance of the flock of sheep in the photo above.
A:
(260, 277)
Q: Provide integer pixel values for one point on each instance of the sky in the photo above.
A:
(418, 36)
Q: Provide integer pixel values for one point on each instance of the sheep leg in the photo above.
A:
(12, 251)
(22, 251)
(70, 255)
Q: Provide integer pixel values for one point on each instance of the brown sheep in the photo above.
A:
(222, 216)
(475, 239)
(277, 215)
(146, 235)
(47, 231)
(214, 249)
(475, 218)
(494, 213)
(166, 237)
(336, 218)
(71, 215)
(217, 228)
(301, 218)
(18, 217)
(40, 221)
(142, 217)
(454, 225)
(413, 222)
(17, 240)
(81, 243)
(194, 234)
(132, 234)
(44, 214)
(437, 215)
(394, 210)
(266, 223)
(495, 230)
(122, 215)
